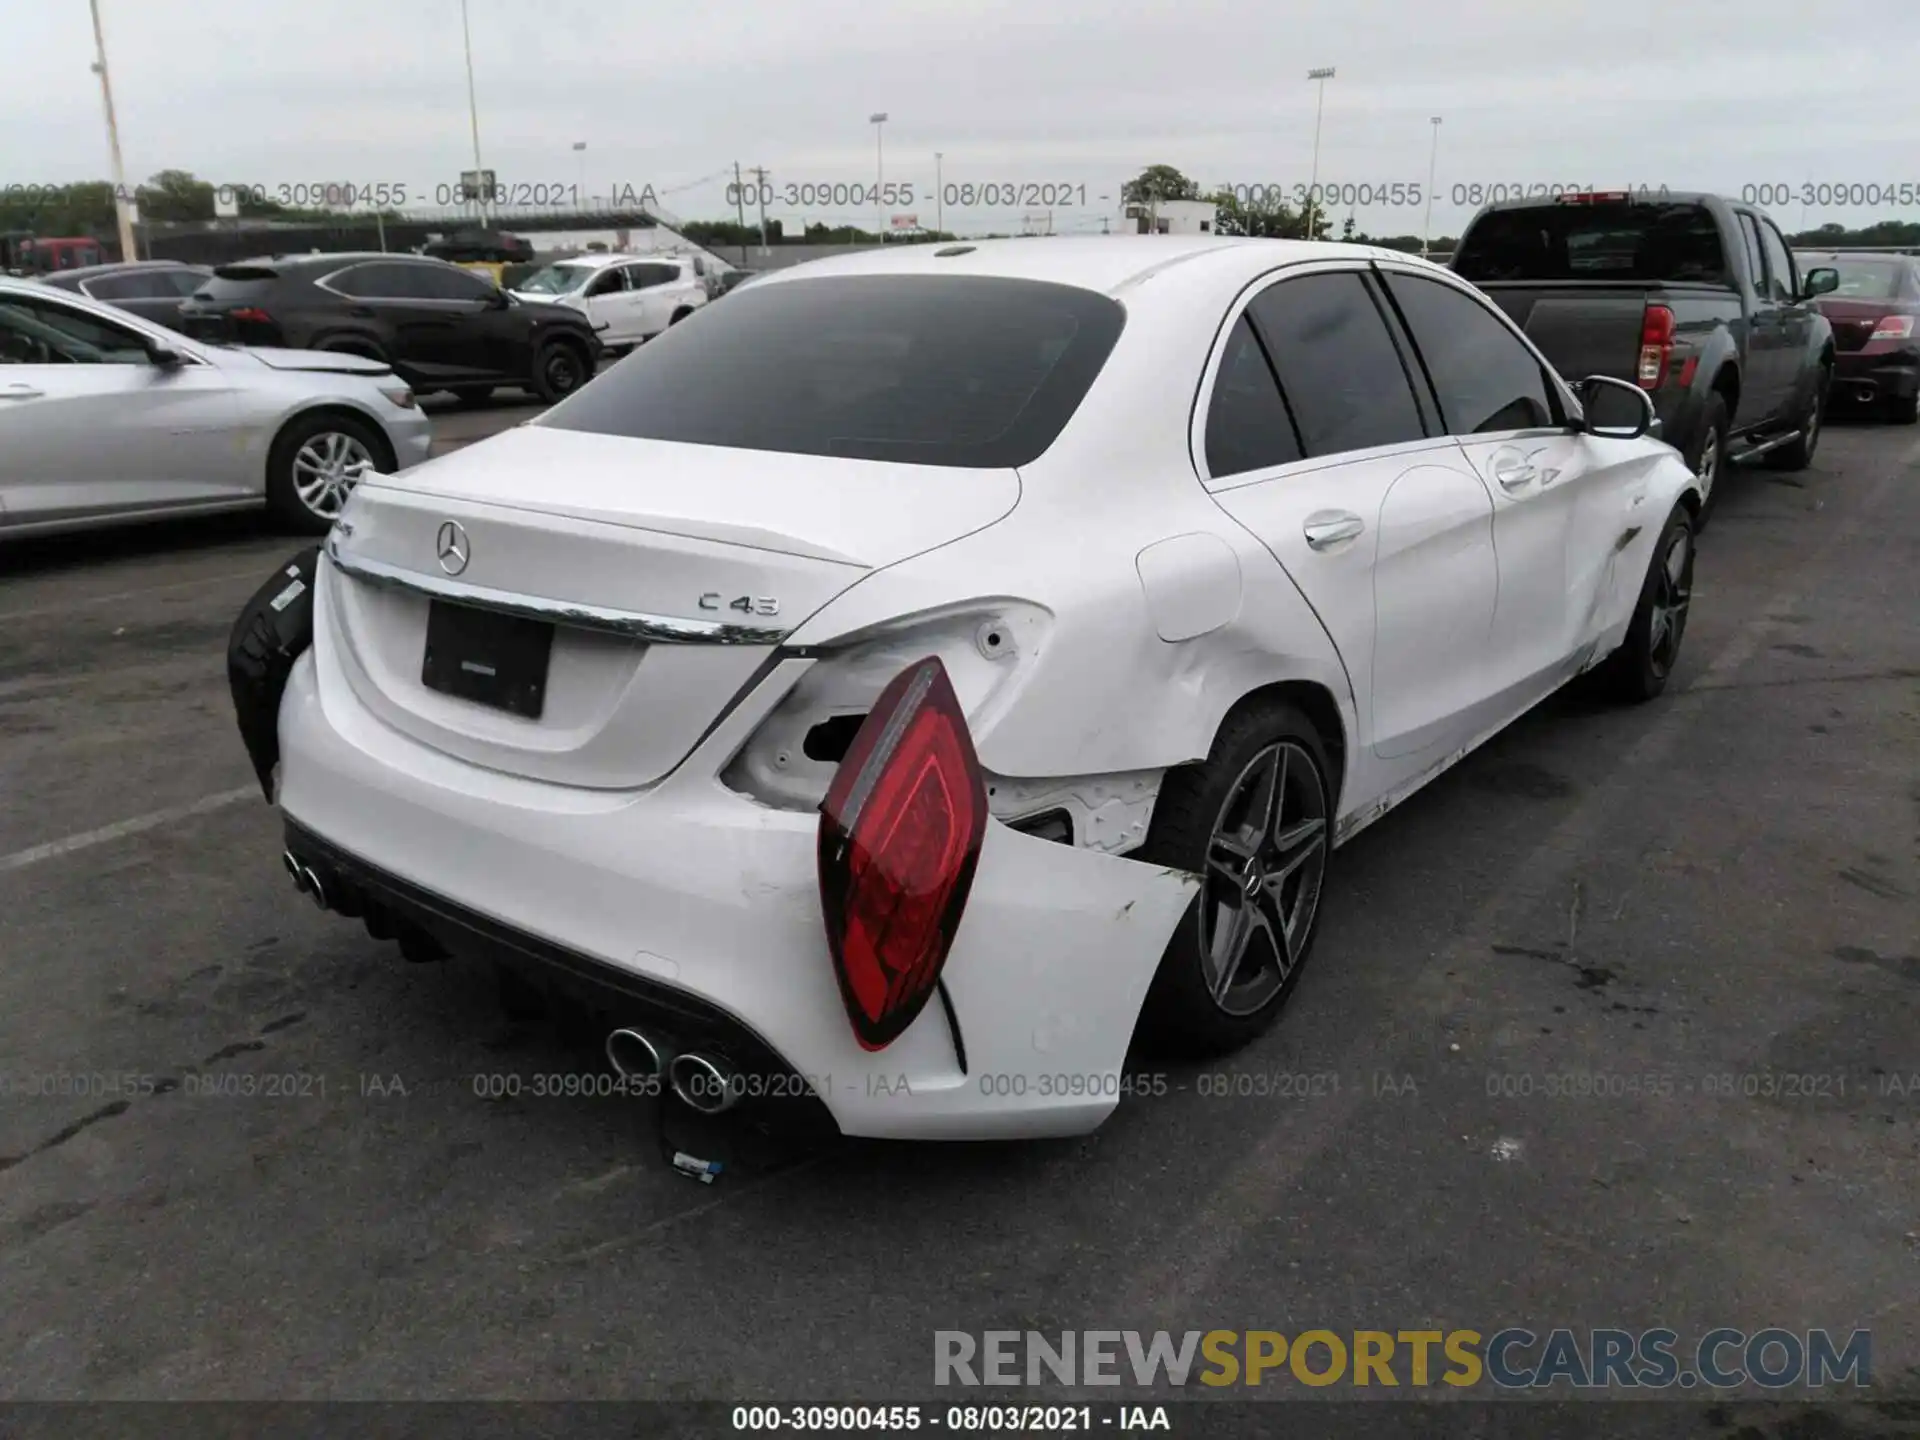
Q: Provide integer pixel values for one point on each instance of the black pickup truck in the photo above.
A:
(1695, 297)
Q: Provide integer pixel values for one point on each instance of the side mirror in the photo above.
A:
(1616, 409)
(165, 356)
(1823, 281)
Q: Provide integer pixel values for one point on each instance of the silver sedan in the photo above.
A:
(105, 417)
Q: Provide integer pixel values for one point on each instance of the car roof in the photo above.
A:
(122, 267)
(1108, 264)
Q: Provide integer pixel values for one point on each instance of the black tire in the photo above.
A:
(677, 316)
(1902, 409)
(473, 394)
(361, 448)
(1799, 454)
(1639, 670)
(1198, 815)
(1710, 449)
(560, 367)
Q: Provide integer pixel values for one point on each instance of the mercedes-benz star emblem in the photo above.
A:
(452, 547)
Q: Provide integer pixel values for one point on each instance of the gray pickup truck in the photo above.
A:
(1694, 297)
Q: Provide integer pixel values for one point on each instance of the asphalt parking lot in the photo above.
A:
(1723, 884)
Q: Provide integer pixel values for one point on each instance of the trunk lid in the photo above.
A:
(1854, 321)
(668, 573)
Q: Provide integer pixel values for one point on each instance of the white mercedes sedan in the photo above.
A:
(938, 664)
(107, 417)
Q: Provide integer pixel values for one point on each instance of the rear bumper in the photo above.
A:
(696, 908)
(1866, 377)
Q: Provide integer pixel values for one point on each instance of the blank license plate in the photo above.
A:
(488, 658)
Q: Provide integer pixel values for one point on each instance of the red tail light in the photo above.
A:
(900, 834)
(1894, 327)
(1656, 346)
(250, 315)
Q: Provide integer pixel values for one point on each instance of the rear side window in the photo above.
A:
(1338, 366)
(1248, 427)
(967, 371)
(1611, 241)
(387, 282)
(237, 285)
(1486, 379)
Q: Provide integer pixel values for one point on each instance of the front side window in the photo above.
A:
(607, 282)
(1756, 261)
(1486, 379)
(951, 370)
(1780, 272)
(450, 282)
(1337, 363)
(35, 333)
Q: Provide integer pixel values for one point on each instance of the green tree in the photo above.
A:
(175, 196)
(1261, 214)
(1158, 182)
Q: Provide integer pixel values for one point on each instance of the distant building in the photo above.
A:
(1170, 217)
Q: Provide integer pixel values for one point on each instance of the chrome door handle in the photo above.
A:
(21, 392)
(1514, 474)
(1326, 530)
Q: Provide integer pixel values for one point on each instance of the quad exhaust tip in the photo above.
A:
(304, 880)
(635, 1056)
(705, 1083)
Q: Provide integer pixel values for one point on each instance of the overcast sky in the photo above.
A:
(1718, 94)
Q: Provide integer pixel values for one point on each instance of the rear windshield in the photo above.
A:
(1646, 242)
(957, 370)
(236, 282)
(1865, 279)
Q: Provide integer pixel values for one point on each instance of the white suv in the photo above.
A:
(629, 298)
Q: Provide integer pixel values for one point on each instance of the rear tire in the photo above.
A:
(314, 464)
(1799, 454)
(677, 317)
(560, 367)
(1639, 670)
(1243, 943)
(1708, 460)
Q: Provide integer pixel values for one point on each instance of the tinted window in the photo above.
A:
(1337, 363)
(956, 370)
(115, 287)
(608, 282)
(1785, 283)
(1486, 379)
(1756, 265)
(239, 285)
(1247, 423)
(34, 333)
(387, 282)
(185, 282)
(1593, 242)
(645, 277)
(448, 282)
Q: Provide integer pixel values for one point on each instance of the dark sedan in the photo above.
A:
(152, 289)
(1874, 313)
(439, 326)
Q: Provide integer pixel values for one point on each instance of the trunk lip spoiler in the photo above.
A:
(633, 624)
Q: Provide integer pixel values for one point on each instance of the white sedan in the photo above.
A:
(107, 417)
(940, 662)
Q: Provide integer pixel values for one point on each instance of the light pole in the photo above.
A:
(120, 215)
(580, 149)
(1322, 74)
(473, 105)
(878, 120)
(1433, 165)
(940, 191)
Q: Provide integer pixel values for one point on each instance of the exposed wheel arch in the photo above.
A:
(388, 460)
(1318, 704)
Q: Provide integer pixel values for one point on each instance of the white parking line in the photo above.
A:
(87, 839)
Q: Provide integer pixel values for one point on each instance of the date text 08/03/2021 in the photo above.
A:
(952, 1419)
